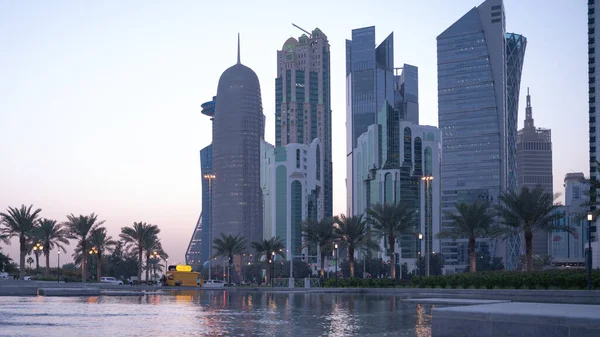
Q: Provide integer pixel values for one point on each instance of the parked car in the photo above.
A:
(109, 279)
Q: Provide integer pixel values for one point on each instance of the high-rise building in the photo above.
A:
(534, 163)
(575, 190)
(291, 177)
(372, 87)
(237, 133)
(303, 101)
(594, 115)
(479, 67)
(200, 246)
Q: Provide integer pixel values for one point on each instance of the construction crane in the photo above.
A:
(302, 29)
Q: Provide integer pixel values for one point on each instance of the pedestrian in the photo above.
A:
(198, 281)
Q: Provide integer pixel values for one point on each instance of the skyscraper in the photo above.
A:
(476, 116)
(200, 246)
(303, 101)
(369, 88)
(593, 114)
(534, 158)
(237, 133)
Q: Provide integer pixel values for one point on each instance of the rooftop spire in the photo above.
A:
(528, 112)
(238, 48)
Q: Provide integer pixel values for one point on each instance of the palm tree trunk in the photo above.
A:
(37, 261)
(139, 275)
(472, 253)
(147, 267)
(84, 254)
(351, 260)
(392, 243)
(529, 250)
(47, 253)
(322, 264)
(23, 253)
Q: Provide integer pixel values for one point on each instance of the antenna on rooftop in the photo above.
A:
(302, 29)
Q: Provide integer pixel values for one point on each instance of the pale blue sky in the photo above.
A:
(100, 101)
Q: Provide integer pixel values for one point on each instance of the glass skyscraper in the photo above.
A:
(594, 130)
(476, 74)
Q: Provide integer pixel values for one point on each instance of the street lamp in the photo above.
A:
(420, 236)
(336, 265)
(590, 217)
(272, 262)
(58, 277)
(37, 249)
(93, 252)
(428, 225)
(154, 256)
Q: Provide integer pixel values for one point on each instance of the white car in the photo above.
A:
(213, 284)
(108, 279)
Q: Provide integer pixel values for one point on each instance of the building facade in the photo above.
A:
(575, 189)
(292, 178)
(594, 115)
(237, 133)
(534, 158)
(374, 85)
(303, 101)
(477, 118)
(415, 180)
(193, 253)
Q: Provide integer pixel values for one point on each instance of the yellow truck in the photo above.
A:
(182, 275)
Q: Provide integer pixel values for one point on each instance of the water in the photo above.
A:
(215, 313)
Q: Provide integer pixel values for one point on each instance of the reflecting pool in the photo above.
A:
(215, 313)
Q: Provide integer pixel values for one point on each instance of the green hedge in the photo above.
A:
(364, 283)
(549, 279)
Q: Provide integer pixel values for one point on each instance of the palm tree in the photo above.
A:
(354, 234)
(229, 245)
(135, 238)
(103, 244)
(471, 221)
(80, 228)
(268, 249)
(319, 233)
(392, 221)
(529, 211)
(151, 244)
(20, 222)
(30, 261)
(51, 235)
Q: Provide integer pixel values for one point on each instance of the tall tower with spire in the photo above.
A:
(534, 165)
(238, 129)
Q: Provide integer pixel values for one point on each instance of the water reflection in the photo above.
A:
(211, 313)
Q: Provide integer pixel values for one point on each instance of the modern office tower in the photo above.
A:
(237, 133)
(575, 190)
(568, 249)
(477, 72)
(534, 162)
(303, 101)
(198, 252)
(593, 114)
(292, 176)
(379, 179)
(371, 87)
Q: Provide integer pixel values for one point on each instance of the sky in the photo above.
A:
(100, 101)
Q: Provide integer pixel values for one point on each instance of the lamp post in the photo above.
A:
(156, 258)
(93, 252)
(37, 249)
(419, 261)
(272, 262)
(336, 265)
(166, 265)
(590, 217)
(58, 265)
(428, 225)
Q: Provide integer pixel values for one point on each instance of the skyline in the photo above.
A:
(115, 125)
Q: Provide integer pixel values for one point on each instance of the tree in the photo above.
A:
(529, 211)
(392, 221)
(6, 264)
(103, 244)
(354, 234)
(80, 228)
(20, 222)
(229, 245)
(51, 235)
(471, 221)
(436, 264)
(122, 264)
(268, 249)
(30, 261)
(152, 246)
(320, 234)
(135, 237)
